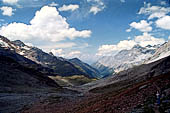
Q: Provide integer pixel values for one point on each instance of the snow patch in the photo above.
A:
(3, 44)
(26, 48)
(161, 56)
(21, 53)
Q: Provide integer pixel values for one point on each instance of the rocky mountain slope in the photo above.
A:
(23, 82)
(59, 66)
(16, 76)
(89, 70)
(133, 90)
(124, 59)
(162, 52)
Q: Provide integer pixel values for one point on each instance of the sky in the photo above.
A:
(86, 29)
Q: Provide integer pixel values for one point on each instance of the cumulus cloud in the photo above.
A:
(154, 11)
(107, 50)
(147, 39)
(11, 2)
(70, 7)
(7, 11)
(47, 25)
(143, 40)
(143, 26)
(97, 6)
(164, 22)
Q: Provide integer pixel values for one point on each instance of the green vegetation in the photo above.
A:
(75, 80)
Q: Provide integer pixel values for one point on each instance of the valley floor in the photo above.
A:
(15, 102)
(139, 98)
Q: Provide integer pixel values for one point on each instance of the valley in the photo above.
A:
(84, 56)
(29, 86)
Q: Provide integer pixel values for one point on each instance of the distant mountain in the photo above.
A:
(162, 52)
(130, 76)
(131, 91)
(124, 59)
(104, 70)
(16, 76)
(89, 70)
(59, 66)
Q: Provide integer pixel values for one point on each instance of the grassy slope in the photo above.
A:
(75, 80)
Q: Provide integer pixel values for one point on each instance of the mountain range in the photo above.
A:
(132, 90)
(57, 65)
(124, 59)
(25, 77)
(130, 79)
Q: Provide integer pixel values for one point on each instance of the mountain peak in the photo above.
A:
(75, 59)
(137, 46)
(18, 43)
(50, 53)
(149, 46)
(4, 38)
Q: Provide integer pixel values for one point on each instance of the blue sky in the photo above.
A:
(87, 29)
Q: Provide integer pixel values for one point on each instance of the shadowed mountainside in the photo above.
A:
(136, 95)
(15, 77)
(89, 70)
(59, 66)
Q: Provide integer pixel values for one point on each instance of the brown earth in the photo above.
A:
(112, 102)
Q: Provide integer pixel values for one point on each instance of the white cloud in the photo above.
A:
(142, 26)
(53, 4)
(97, 6)
(154, 11)
(128, 30)
(47, 25)
(48, 46)
(68, 55)
(164, 22)
(11, 2)
(169, 38)
(129, 38)
(163, 2)
(57, 52)
(95, 10)
(99, 2)
(29, 44)
(85, 57)
(107, 50)
(7, 11)
(143, 40)
(70, 7)
(74, 53)
(147, 39)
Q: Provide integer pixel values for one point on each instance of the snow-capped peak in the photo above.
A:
(126, 58)
(162, 52)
